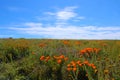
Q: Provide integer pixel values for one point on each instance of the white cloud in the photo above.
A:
(67, 13)
(70, 32)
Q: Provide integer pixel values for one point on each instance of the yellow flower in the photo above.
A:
(96, 70)
(113, 79)
(106, 71)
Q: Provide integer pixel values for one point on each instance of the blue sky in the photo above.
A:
(60, 19)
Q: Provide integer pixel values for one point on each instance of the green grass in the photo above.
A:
(20, 59)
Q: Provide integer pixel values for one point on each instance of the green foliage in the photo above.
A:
(20, 59)
(12, 49)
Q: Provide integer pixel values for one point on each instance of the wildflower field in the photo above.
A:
(47, 59)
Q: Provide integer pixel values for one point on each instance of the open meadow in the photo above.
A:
(50, 59)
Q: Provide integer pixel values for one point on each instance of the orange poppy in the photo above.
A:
(89, 64)
(78, 62)
(62, 56)
(42, 57)
(69, 69)
(47, 58)
(66, 58)
(86, 62)
(94, 67)
(73, 63)
(68, 65)
(55, 57)
(82, 52)
(74, 68)
(66, 42)
(59, 61)
(80, 65)
(89, 50)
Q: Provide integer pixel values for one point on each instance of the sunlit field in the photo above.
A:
(47, 59)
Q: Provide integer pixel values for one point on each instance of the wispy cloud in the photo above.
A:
(70, 32)
(66, 13)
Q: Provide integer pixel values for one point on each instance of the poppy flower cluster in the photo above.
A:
(45, 58)
(89, 64)
(74, 65)
(60, 58)
(41, 45)
(65, 42)
(88, 51)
